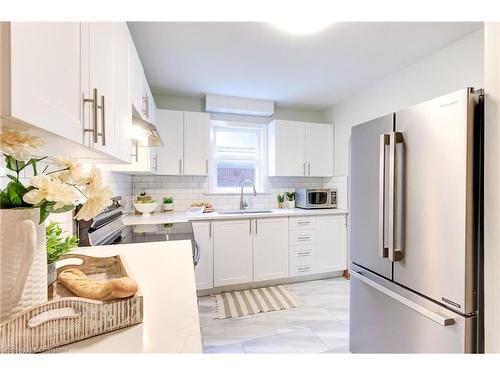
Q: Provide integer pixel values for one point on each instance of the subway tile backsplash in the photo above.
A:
(188, 189)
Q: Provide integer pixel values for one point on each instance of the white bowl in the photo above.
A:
(195, 210)
(146, 208)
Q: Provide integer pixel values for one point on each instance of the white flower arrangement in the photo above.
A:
(54, 191)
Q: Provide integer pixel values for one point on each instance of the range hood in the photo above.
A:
(145, 133)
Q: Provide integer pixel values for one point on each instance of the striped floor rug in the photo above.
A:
(253, 301)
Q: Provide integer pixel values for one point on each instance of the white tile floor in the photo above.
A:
(321, 325)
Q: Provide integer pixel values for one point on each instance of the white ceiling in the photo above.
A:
(257, 60)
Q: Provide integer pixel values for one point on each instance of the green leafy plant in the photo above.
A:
(281, 198)
(168, 200)
(12, 195)
(290, 195)
(57, 244)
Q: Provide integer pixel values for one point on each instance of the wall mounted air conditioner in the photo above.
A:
(240, 106)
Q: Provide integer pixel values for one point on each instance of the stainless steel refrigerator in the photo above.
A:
(415, 210)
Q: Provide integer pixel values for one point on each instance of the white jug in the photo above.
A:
(23, 261)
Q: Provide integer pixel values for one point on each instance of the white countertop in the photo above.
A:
(182, 217)
(165, 274)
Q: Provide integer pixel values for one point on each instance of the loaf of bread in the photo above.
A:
(80, 285)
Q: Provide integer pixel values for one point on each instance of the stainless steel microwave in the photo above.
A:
(316, 198)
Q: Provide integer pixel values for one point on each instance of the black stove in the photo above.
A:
(107, 229)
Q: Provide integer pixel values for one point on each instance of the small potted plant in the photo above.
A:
(57, 246)
(281, 200)
(289, 199)
(168, 204)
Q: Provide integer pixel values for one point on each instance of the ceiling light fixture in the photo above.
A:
(302, 27)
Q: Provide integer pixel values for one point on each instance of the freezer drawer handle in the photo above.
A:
(395, 255)
(438, 318)
(383, 250)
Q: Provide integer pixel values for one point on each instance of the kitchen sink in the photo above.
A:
(239, 212)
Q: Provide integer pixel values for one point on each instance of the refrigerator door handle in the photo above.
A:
(395, 255)
(439, 318)
(383, 250)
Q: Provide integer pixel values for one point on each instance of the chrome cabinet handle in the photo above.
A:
(206, 166)
(437, 317)
(250, 227)
(309, 168)
(300, 238)
(103, 121)
(303, 253)
(383, 251)
(93, 101)
(156, 163)
(303, 268)
(256, 225)
(180, 166)
(395, 255)
(210, 230)
(303, 222)
(136, 155)
(304, 168)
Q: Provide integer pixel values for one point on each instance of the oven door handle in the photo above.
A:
(197, 253)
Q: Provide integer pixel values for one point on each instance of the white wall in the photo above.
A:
(457, 66)
(492, 188)
(197, 105)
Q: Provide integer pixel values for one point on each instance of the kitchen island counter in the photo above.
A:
(165, 274)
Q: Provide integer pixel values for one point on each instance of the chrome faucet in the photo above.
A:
(244, 204)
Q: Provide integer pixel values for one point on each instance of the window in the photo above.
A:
(237, 153)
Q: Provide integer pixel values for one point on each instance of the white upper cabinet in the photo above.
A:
(144, 161)
(270, 249)
(298, 149)
(123, 112)
(136, 80)
(186, 142)
(331, 252)
(286, 150)
(196, 143)
(149, 103)
(141, 96)
(319, 150)
(46, 81)
(102, 59)
(70, 82)
(170, 127)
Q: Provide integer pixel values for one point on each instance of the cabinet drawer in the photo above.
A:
(302, 237)
(301, 252)
(300, 267)
(298, 223)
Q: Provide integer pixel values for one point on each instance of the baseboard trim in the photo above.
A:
(262, 284)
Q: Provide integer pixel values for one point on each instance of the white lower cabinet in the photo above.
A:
(233, 259)
(252, 250)
(302, 259)
(204, 271)
(270, 249)
(330, 239)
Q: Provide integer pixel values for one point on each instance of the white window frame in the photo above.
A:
(261, 172)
